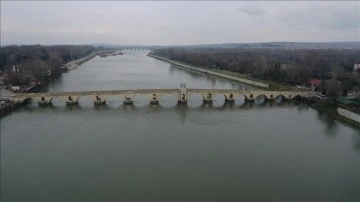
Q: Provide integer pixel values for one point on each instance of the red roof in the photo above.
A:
(315, 82)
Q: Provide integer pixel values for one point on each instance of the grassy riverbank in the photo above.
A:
(273, 86)
(331, 111)
(75, 63)
(241, 78)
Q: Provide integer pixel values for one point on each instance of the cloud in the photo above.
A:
(322, 17)
(252, 10)
(167, 23)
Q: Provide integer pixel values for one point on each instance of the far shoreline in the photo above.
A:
(253, 83)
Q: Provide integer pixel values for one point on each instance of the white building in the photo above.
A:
(356, 67)
(16, 68)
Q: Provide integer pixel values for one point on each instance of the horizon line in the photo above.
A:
(195, 44)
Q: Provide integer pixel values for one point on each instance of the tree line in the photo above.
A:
(38, 60)
(284, 66)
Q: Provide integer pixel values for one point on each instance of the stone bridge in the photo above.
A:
(154, 95)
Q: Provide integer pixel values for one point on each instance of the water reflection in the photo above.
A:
(168, 101)
(141, 101)
(85, 102)
(113, 101)
(216, 148)
(195, 99)
(356, 140)
(329, 123)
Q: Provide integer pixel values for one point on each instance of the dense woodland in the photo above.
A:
(37, 60)
(280, 65)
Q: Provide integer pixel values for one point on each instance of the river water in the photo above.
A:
(253, 152)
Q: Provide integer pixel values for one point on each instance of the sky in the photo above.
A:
(177, 22)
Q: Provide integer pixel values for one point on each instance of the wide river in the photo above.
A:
(255, 152)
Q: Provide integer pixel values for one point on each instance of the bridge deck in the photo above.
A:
(161, 91)
(155, 95)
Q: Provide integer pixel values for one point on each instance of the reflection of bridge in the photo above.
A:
(154, 95)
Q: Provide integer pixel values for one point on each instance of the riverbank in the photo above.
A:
(75, 63)
(8, 106)
(211, 72)
(331, 110)
(5, 93)
(227, 75)
(5, 104)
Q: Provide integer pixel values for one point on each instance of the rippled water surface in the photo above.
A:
(199, 152)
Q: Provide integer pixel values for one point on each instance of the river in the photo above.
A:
(253, 152)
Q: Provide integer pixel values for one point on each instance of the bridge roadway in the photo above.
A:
(154, 95)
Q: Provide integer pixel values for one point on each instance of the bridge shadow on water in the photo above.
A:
(204, 106)
(184, 112)
(145, 107)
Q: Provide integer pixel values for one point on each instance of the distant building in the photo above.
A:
(15, 88)
(356, 67)
(314, 83)
(16, 68)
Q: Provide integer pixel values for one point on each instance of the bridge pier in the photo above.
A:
(154, 100)
(98, 101)
(250, 98)
(71, 101)
(128, 101)
(43, 103)
(208, 98)
(183, 93)
(229, 98)
(271, 98)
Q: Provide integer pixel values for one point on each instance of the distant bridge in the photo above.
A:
(154, 95)
(136, 48)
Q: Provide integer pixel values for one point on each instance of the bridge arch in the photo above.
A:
(141, 100)
(240, 99)
(85, 101)
(168, 100)
(261, 99)
(30, 102)
(280, 98)
(57, 101)
(195, 100)
(297, 97)
(218, 100)
(113, 101)
(26, 100)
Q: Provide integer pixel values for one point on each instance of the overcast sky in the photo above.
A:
(177, 23)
